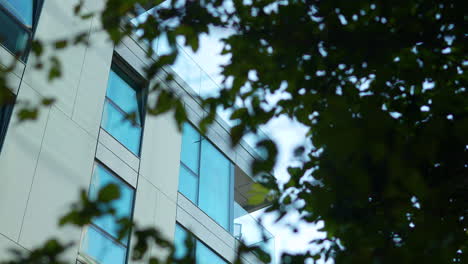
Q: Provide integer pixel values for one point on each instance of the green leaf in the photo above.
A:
(61, 44)
(237, 132)
(257, 194)
(109, 193)
(37, 47)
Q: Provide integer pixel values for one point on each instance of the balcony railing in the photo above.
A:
(250, 232)
(203, 85)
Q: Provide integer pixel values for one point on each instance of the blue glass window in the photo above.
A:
(190, 155)
(188, 184)
(101, 241)
(205, 177)
(215, 180)
(203, 254)
(179, 242)
(102, 249)
(18, 18)
(5, 114)
(21, 9)
(123, 110)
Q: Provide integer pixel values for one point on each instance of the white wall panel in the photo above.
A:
(57, 22)
(64, 167)
(17, 164)
(88, 106)
(160, 157)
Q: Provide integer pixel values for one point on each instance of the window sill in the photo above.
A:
(7, 59)
(84, 259)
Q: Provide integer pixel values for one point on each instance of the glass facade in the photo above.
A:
(101, 241)
(123, 110)
(206, 177)
(5, 115)
(18, 18)
(203, 254)
(21, 9)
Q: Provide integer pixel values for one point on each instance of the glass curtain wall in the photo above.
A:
(18, 19)
(203, 254)
(123, 114)
(206, 177)
(101, 242)
(7, 100)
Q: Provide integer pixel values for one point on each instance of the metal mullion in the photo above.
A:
(190, 170)
(17, 21)
(107, 235)
(122, 111)
(199, 167)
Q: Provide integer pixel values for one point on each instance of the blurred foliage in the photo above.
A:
(381, 87)
(86, 209)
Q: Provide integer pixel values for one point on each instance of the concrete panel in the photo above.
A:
(144, 214)
(204, 234)
(58, 22)
(160, 156)
(7, 59)
(13, 82)
(193, 104)
(118, 149)
(116, 164)
(92, 86)
(18, 163)
(64, 167)
(145, 203)
(243, 160)
(205, 220)
(193, 116)
(164, 222)
(221, 141)
(139, 49)
(128, 56)
(6, 245)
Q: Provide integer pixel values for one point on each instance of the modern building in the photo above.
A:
(176, 182)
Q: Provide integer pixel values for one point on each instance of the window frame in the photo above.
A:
(6, 108)
(37, 8)
(140, 85)
(195, 240)
(99, 229)
(231, 180)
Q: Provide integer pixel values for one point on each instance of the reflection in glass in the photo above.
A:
(188, 184)
(122, 129)
(12, 36)
(101, 248)
(21, 9)
(190, 154)
(215, 174)
(5, 115)
(205, 255)
(205, 176)
(123, 110)
(122, 205)
(249, 230)
(179, 242)
(100, 241)
(123, 95)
